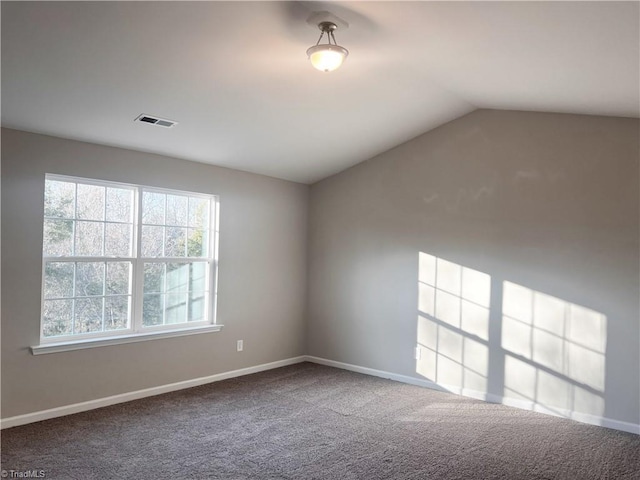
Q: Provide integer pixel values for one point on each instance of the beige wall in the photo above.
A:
(262, 275)
(504, 245)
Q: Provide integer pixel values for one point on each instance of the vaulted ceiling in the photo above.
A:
(236, 78)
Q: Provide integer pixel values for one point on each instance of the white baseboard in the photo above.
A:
(147, 392)
(375, 373)
(487, 397)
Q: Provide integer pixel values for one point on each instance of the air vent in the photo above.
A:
(162, 122)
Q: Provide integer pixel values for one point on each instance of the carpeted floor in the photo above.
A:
(308, 421)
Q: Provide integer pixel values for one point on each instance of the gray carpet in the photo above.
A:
(313, 422)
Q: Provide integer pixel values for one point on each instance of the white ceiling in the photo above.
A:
(236, 78)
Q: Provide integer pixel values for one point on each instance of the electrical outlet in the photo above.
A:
(240, 345)
(417, 353)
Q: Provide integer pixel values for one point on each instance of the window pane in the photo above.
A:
(152, 240)
(89, 279)
(88, 315)
(57, 317)
(153, 208)
(198, 276)
(176, 308)
(177, 212)
(59, 199)
(177, 277)
(152, 310)
(90, 202)
(58, 237)
(196, 307)
(117, 241)
(198, 212)
(175, 242)
(197, 242)
(89, 239)
(119, 205)
(58, 280)
(153, 277)
(116, 312)
(181, 297)
(118, 274)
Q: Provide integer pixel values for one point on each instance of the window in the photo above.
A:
(125, 260)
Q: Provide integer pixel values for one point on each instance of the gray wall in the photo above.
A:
(262, 275)
(504, 245)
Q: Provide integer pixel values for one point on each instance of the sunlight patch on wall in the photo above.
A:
(453, 323)
(554, 351)
(544, 351)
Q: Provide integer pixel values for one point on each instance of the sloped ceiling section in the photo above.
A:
(236, 78)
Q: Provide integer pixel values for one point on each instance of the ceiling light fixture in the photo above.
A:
(328, 56)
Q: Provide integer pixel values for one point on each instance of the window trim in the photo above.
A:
(55, 347)
(136, 331)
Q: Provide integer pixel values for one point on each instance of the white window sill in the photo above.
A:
(118, 340)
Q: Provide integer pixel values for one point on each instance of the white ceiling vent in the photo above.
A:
(150, 119)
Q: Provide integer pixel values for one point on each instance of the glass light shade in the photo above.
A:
(327, 58)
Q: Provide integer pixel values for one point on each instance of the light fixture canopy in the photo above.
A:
(328, 56)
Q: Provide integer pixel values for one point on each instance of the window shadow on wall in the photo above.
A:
(490, 338)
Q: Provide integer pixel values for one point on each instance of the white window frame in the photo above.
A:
(136, 331)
